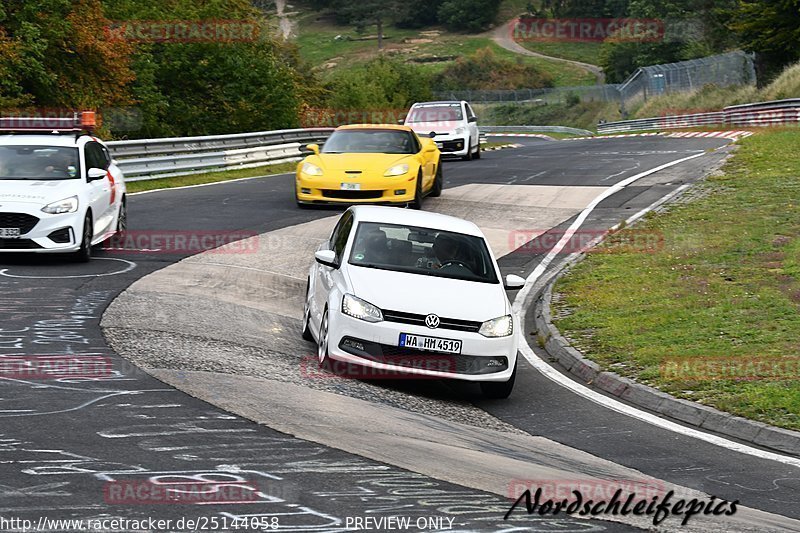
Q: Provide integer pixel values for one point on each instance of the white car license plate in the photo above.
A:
(431, 344)
(9, 232)
(351, 186)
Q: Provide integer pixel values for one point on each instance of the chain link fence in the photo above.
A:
(723, 70)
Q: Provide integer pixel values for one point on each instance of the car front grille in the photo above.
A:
(419, 320)
(18, 244)
(402, 357)
(23, 221)
(351, 195)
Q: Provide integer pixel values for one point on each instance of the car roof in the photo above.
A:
(41, 139)
(439, 102)
(374, 127)
(423, 219)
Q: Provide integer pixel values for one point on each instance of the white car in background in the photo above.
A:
(60, 191)
(454, 124)
(415, 292)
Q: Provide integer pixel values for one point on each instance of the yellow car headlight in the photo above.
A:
(311, 169)
(397, 170)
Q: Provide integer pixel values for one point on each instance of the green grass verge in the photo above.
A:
(209, 177)
(726, 284)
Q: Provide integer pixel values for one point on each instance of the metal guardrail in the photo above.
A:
(147, 159)
(534, 129)
(759, 114)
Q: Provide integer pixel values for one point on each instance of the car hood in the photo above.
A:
(420, 294)
(40, 192)
(363, 162)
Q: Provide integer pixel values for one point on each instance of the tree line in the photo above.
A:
(78, 54)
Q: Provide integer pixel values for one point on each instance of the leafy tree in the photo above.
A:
(772, 29)
(468, 15)
(694, 28)
(58, 56)
(379, 84)
(484, 70)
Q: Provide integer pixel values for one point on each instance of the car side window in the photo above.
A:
(470, 113)
(94, 156)
(415, 144)
(340, 239)
(106, 156)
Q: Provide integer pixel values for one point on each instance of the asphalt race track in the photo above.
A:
(323, 450)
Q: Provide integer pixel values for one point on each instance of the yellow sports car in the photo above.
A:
(366, 163)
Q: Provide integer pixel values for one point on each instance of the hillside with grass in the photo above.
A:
(331, 47)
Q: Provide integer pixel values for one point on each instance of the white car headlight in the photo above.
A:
(67, 205)
(358, 308)
(311, 169)
(397, 170)
(502, 326)
(460, 130)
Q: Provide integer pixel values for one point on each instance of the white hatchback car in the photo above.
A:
(413, 292)
(454, 123)
(59, 191)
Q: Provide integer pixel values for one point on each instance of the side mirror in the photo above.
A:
(430, 148)
(401, 120)
(514, 282)
(473, 119)
(314, 148)
(95, 174)
(326, 257)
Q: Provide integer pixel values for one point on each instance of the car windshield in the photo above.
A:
(422, 251)
(370, 142)
(435, 113)
(33, 162)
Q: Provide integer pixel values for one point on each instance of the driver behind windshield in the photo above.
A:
(59, 165)
(445, 249)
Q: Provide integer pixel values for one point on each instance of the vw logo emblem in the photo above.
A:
(432, 321)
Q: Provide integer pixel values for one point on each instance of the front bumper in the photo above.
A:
(375, 345)
(40, 232)
(328, 190)
(452, 144)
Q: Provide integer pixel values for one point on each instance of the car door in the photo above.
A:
(100, 195)
(326, 277)
(426, 161)
(472, 125)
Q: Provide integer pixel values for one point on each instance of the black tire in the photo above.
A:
(478, 151)
(438, 182)
(84, 254)
(417, 202)
(322, 342)
(468, 156)
(122, 218)
(499, 390)
(307, 320)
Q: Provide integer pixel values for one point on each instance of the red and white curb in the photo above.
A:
(733, 135)
(536, 135)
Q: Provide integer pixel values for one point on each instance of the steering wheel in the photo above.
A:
(456, 262)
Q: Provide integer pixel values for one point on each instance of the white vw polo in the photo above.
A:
(414, 292)
(59, 191)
